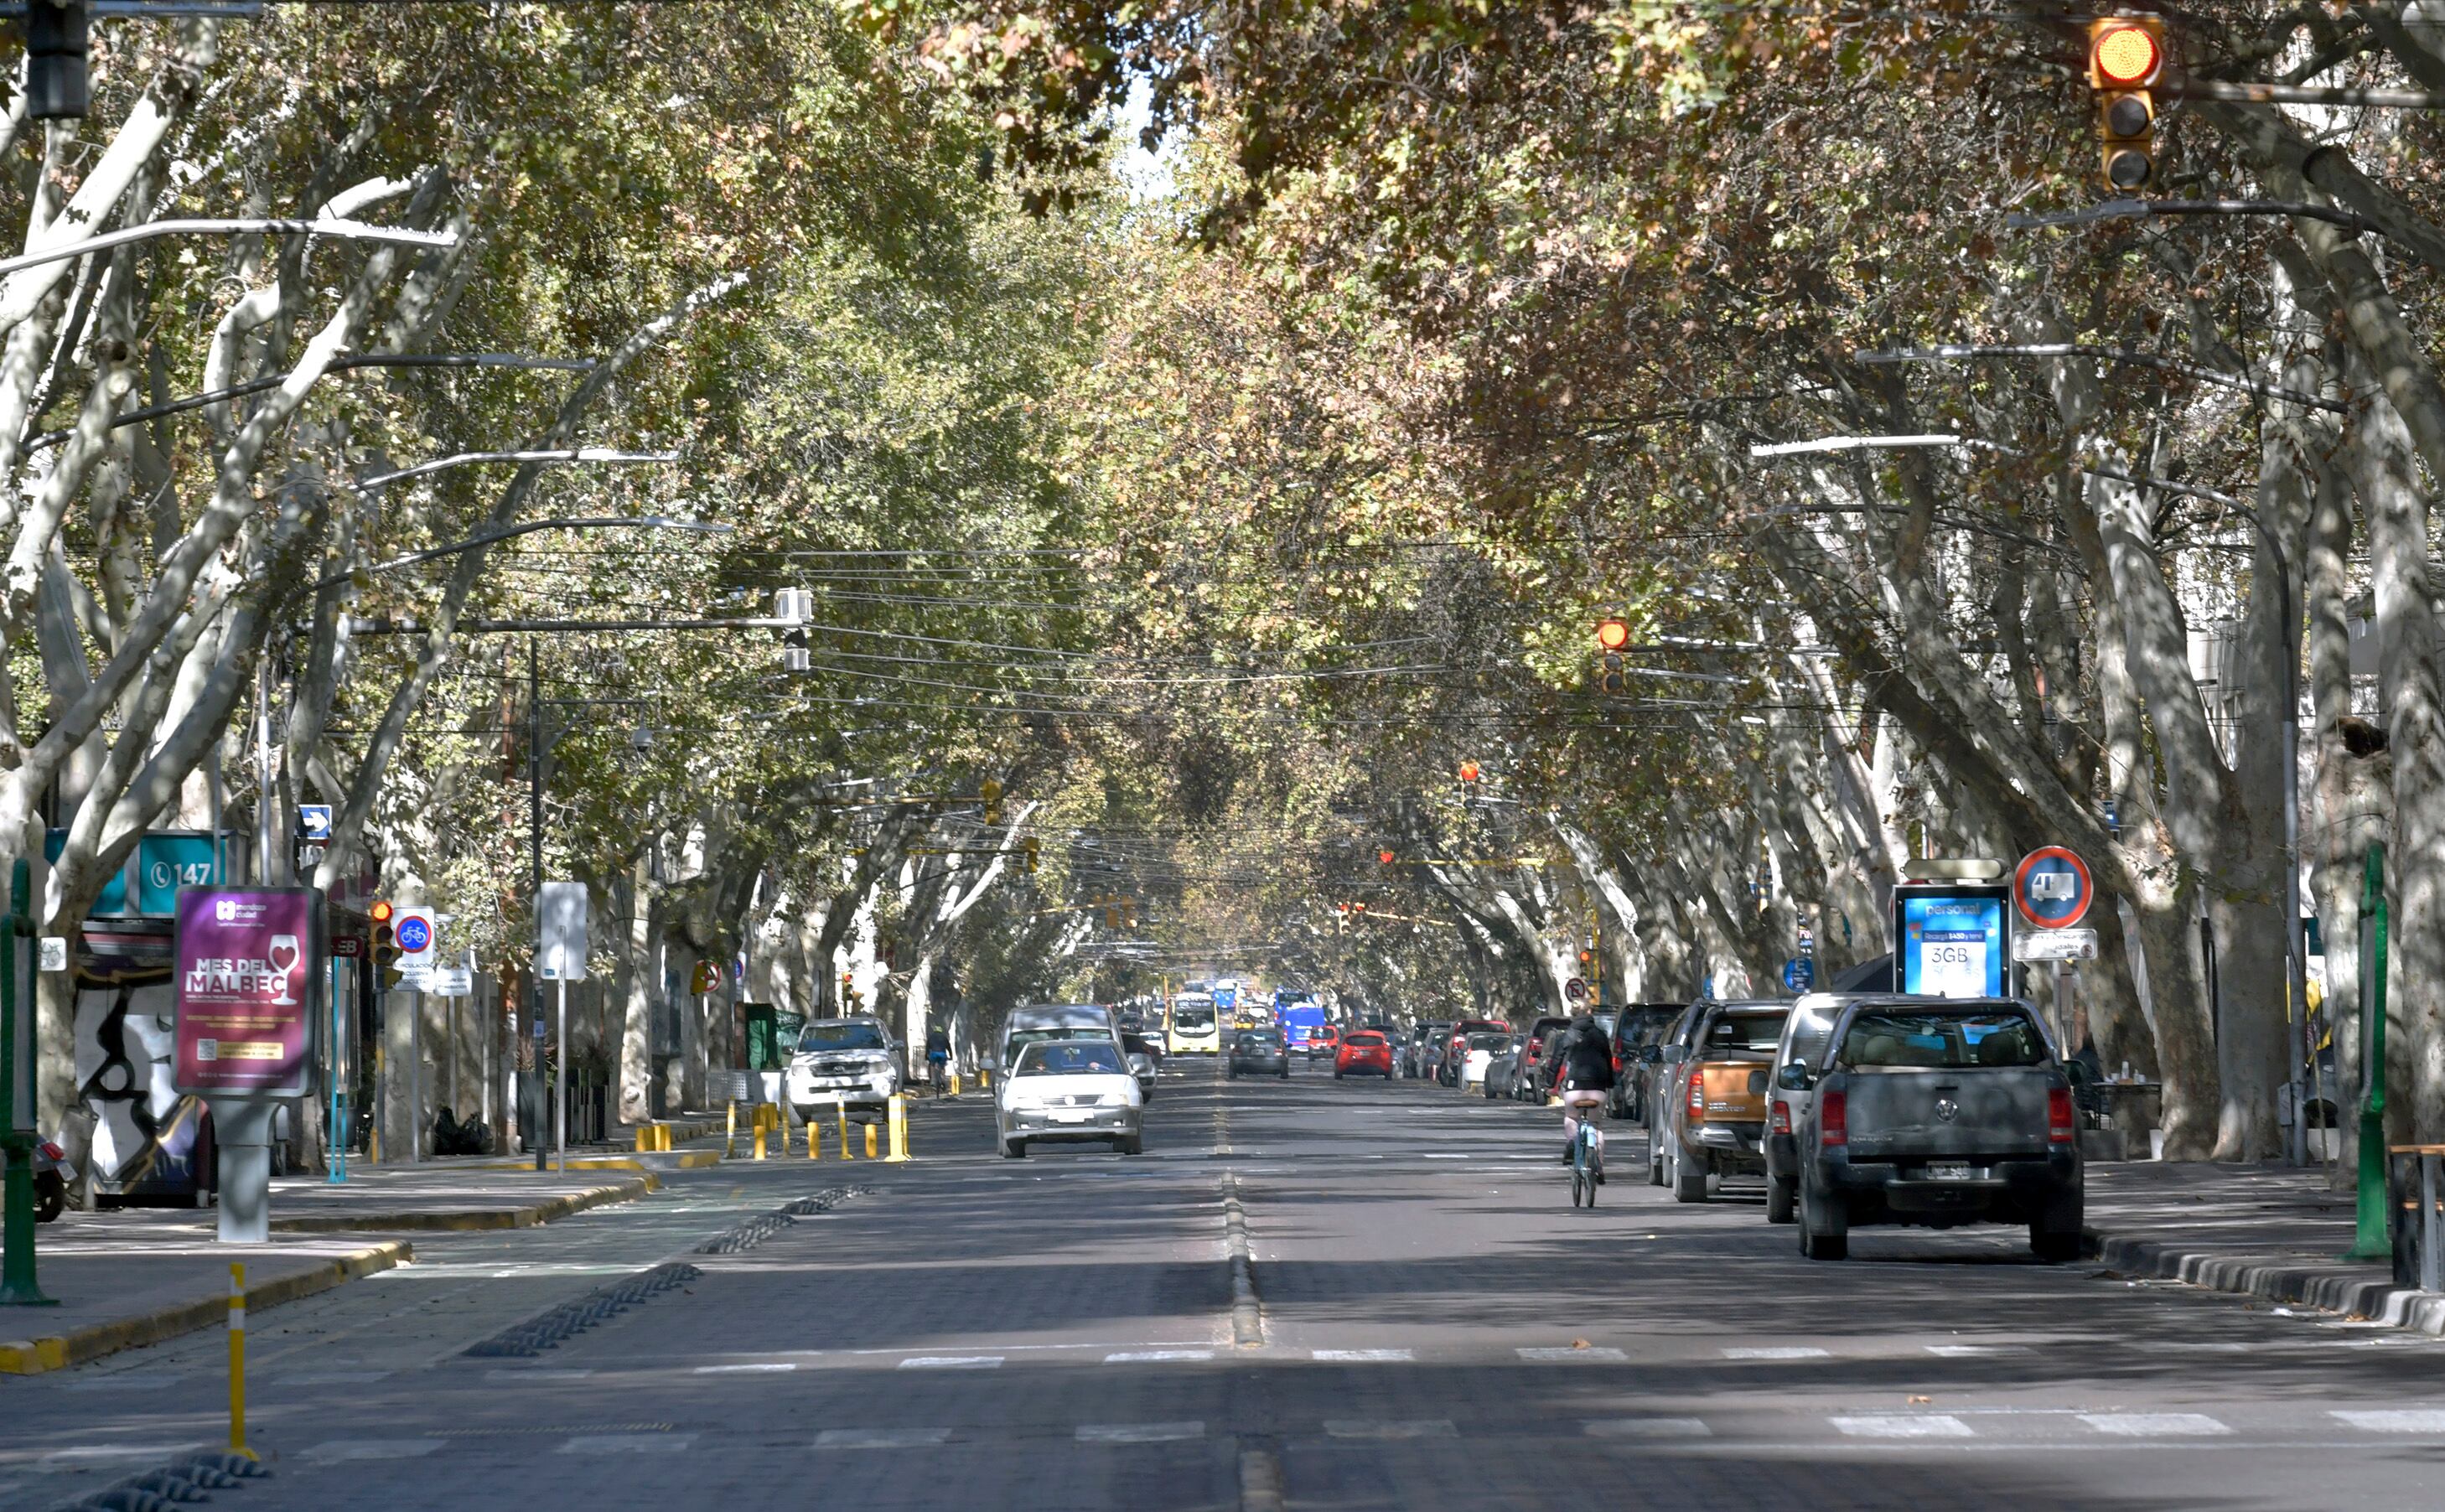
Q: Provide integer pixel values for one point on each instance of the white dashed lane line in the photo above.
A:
(2154, 1424)
(951, 1362)
(1155, 1356)
(2395, 1420)
(1139, 1433)
(902, 1438)
(1903, 1425)
(1593, 1353)
(1432, 1427)
(343, 1450)
(1647, 1428)
(1783, 1352)
(1363, 1356)
(600, 1444)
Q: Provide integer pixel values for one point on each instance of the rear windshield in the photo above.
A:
(838, 1035)
(1071, 1058)
(1364, 1036)
(1646, 1029)
(1942, 1041)
(1733, 1034)
(1260, 1039)
(1498, 1043)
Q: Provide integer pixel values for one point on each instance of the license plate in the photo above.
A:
(1073, 1119)
(1951, 1170)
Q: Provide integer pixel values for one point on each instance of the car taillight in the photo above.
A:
(52, 1151)
(1616, 1065)
(1698, 1094)
(1780, 1119)
(1833, 1119)
(2061, 1129)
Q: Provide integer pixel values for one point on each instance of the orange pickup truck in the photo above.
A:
(1708, 1115)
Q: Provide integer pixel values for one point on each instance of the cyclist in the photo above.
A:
(938, 1056)
(1584, 1076)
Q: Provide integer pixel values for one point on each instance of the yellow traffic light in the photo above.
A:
(2126, 57)
(992, 793)
(1612, 635)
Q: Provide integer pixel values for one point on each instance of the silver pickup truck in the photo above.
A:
(1937, 1113)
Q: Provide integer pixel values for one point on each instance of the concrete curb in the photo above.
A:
(2349, 1292)
(470, 1220)
(33, 1357)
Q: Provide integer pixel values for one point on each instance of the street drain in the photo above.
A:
(546, 1330)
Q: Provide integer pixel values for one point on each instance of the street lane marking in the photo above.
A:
(745, 1369)
(1139, 1433)
(129, 1381)
(1147, 1356)
(1964, 1352)
(341, 1451)
(2152, 1425)
(881, 1438)
(1363, 1356)
(1595, 1352)
(1904, 1426)
(1445, 1157)
(537, 1375)
(2396, 1420)
(1427, 1428)
(73, 1459)
(1791, 1352)
(627, 1443)
(1647, 1428)
(951, 1362)
(333, 1378)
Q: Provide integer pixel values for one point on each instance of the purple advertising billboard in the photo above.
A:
(248, 970)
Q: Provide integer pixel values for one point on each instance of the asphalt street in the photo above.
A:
(1437, 1328)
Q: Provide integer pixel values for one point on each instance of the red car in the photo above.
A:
(1364, 1051)
(1324, 1039)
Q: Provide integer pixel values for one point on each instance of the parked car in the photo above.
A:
(1708, 1117)
(854, 1062)
(1502, 1069)
(1532, 1056)
(1363, 1052)
(1476, 1054)
(1413, 1048)
(1323, 1041)
(1638, 1031)
(1260, 1053)
(1450, 1066)
(1938, 1113)
(1786, 1107)
(1069, 1092)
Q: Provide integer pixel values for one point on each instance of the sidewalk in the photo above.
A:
(136, 1276)
(2266, 1231)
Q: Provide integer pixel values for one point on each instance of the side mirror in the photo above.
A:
(1675, 1055)
(1793, 1077)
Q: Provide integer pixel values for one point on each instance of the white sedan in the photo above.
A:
(1483, 1049)
(1069, 1092)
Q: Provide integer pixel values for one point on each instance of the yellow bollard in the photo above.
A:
(237, 1360)
(955, 1084)
(757, 1119)
(730, 1133)
(870, 1132)
(840, 1111)
(373, 1146)
(814, 1144)
(899, 1129)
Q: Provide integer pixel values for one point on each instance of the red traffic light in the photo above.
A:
(380, 911)
(1612, 635)
(1384, 858)
(1469, 772)
(2124, 55)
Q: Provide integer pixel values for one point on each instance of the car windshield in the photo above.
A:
(838, 1035)
(1942, 1041)
(1069, 1058)
(1261, 1039)
(1749, 1034)
(1498, 1043)
(1081, 1033)
(1198, 1019)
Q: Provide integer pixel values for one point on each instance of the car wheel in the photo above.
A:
(1013, 1149)
(1780, 1200)
(1654, 1159)
(1134, 1144)
(1286, 1073)
(1336, 1074)
(1824, 1228)
(1688, 1179)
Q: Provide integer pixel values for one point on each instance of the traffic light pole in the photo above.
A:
(18, 1287)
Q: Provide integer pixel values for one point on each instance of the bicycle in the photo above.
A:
(1587, 1158)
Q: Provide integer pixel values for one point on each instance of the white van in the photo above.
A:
(1076, 1020)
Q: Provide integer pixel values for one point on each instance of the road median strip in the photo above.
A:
(2352, 1291)
(470, 1220)
(78, 1346)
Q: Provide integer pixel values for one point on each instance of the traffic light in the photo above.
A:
(56, 84)
(1469, 772)
(1383, 858)
(1613, 636)
(386, 943)
(2126, 56)
(795, 607)
(1029, 849)
(992, 801)
(1341, 917)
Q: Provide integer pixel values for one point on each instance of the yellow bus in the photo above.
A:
(1195, 1030)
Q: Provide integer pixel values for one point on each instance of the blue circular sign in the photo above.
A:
(2052, 887)
(1800, 974)
(415, 936)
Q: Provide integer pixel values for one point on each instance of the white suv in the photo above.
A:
(854, 1062)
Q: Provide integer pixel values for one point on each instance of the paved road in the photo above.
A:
(1438, 1328)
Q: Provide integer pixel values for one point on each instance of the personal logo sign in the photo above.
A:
(247, 965)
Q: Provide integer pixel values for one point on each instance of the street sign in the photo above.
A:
(560, 931)
(1800, 974)
(314, 821)
(55, 952)
(2056, 944)
(2052, 888)
(414, 930)
(706, 978)
(1575, 990)
(453, 981)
